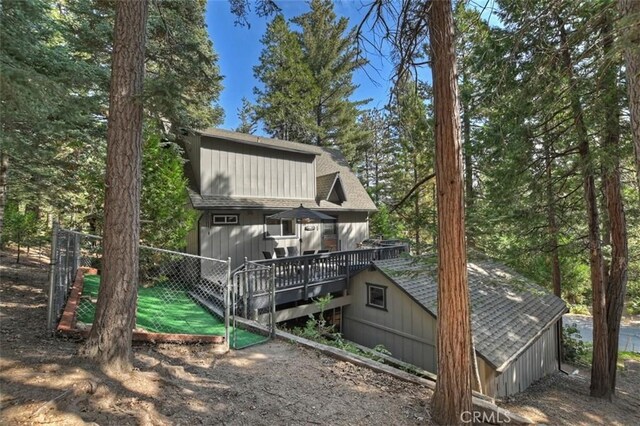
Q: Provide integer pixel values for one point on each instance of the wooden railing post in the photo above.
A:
(348, 266)
(305, 278)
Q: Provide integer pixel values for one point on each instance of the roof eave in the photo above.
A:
(513, 357)
(266, 142)
(533, 338)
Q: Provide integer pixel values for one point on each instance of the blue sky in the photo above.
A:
(239, 48)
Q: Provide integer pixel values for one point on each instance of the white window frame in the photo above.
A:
(267, 235)
(370, 287)
(223, 219)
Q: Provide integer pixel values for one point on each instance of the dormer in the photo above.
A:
(330, 188)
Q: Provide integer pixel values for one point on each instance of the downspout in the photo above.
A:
(198, 233)
(559, 345)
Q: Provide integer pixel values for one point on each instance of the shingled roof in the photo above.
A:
(248, 139)
(331, 161)
(508, 311)
(328, 162)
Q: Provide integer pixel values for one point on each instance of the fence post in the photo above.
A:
(273, 301)
(67, 261)
(51, 316)
(234, 312)
(226, 303)
(248, 305)
(77, 255)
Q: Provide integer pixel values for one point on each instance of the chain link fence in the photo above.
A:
(70, 250)
(178, 293)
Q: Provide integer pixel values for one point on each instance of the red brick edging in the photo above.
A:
(67, 323)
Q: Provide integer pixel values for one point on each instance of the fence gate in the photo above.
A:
(178, 293)
(252, 292)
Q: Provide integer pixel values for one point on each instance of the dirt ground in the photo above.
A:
(43, 382)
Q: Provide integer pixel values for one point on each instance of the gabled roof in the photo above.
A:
(261, 141)
(329, 161)
(508, 311)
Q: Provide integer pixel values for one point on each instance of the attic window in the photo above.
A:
(224, 219)
(376, 296)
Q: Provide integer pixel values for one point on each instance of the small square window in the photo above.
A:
(224, 219)
(377, 296)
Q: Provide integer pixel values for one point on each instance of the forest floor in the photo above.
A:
(42, 381)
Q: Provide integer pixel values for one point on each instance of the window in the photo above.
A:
(329, 227)
(224, 219)
(276, 228)
(377, 296)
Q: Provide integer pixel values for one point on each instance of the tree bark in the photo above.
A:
(453, 389)
(109, 342)
(630, 14)
(468, 159)
(416, 209)
(556, 277)
(599, 365)
(617, 276)
(4, 168)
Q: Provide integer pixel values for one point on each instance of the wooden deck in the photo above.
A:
(302, 278)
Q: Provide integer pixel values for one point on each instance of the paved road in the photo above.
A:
(629, 334)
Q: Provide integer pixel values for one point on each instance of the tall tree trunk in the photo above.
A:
(599, 365)
(468, 160)
(416, 209)
(453, 389)
(630, 14)
(617, 277)
(552, 222)
(4, 168)
(109, 342)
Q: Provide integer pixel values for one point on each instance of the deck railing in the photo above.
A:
(314, 269)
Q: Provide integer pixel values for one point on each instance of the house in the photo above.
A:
(515, 323)
(238, 180)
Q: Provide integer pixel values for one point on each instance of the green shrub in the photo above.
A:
(574, 350)
(579, 309)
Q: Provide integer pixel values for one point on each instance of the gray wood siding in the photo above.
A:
(247, 238)
(353, 227)
(192, 149)
(540, 359)
(240, 170)
(405, 329)
(409, 333)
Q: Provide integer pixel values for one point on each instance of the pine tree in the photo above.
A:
(247, 117)
(307, 81)
(330, 52)
(411, 125)
(284, 102)
(109, 341)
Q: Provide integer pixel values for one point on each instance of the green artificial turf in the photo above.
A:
(162, 309)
